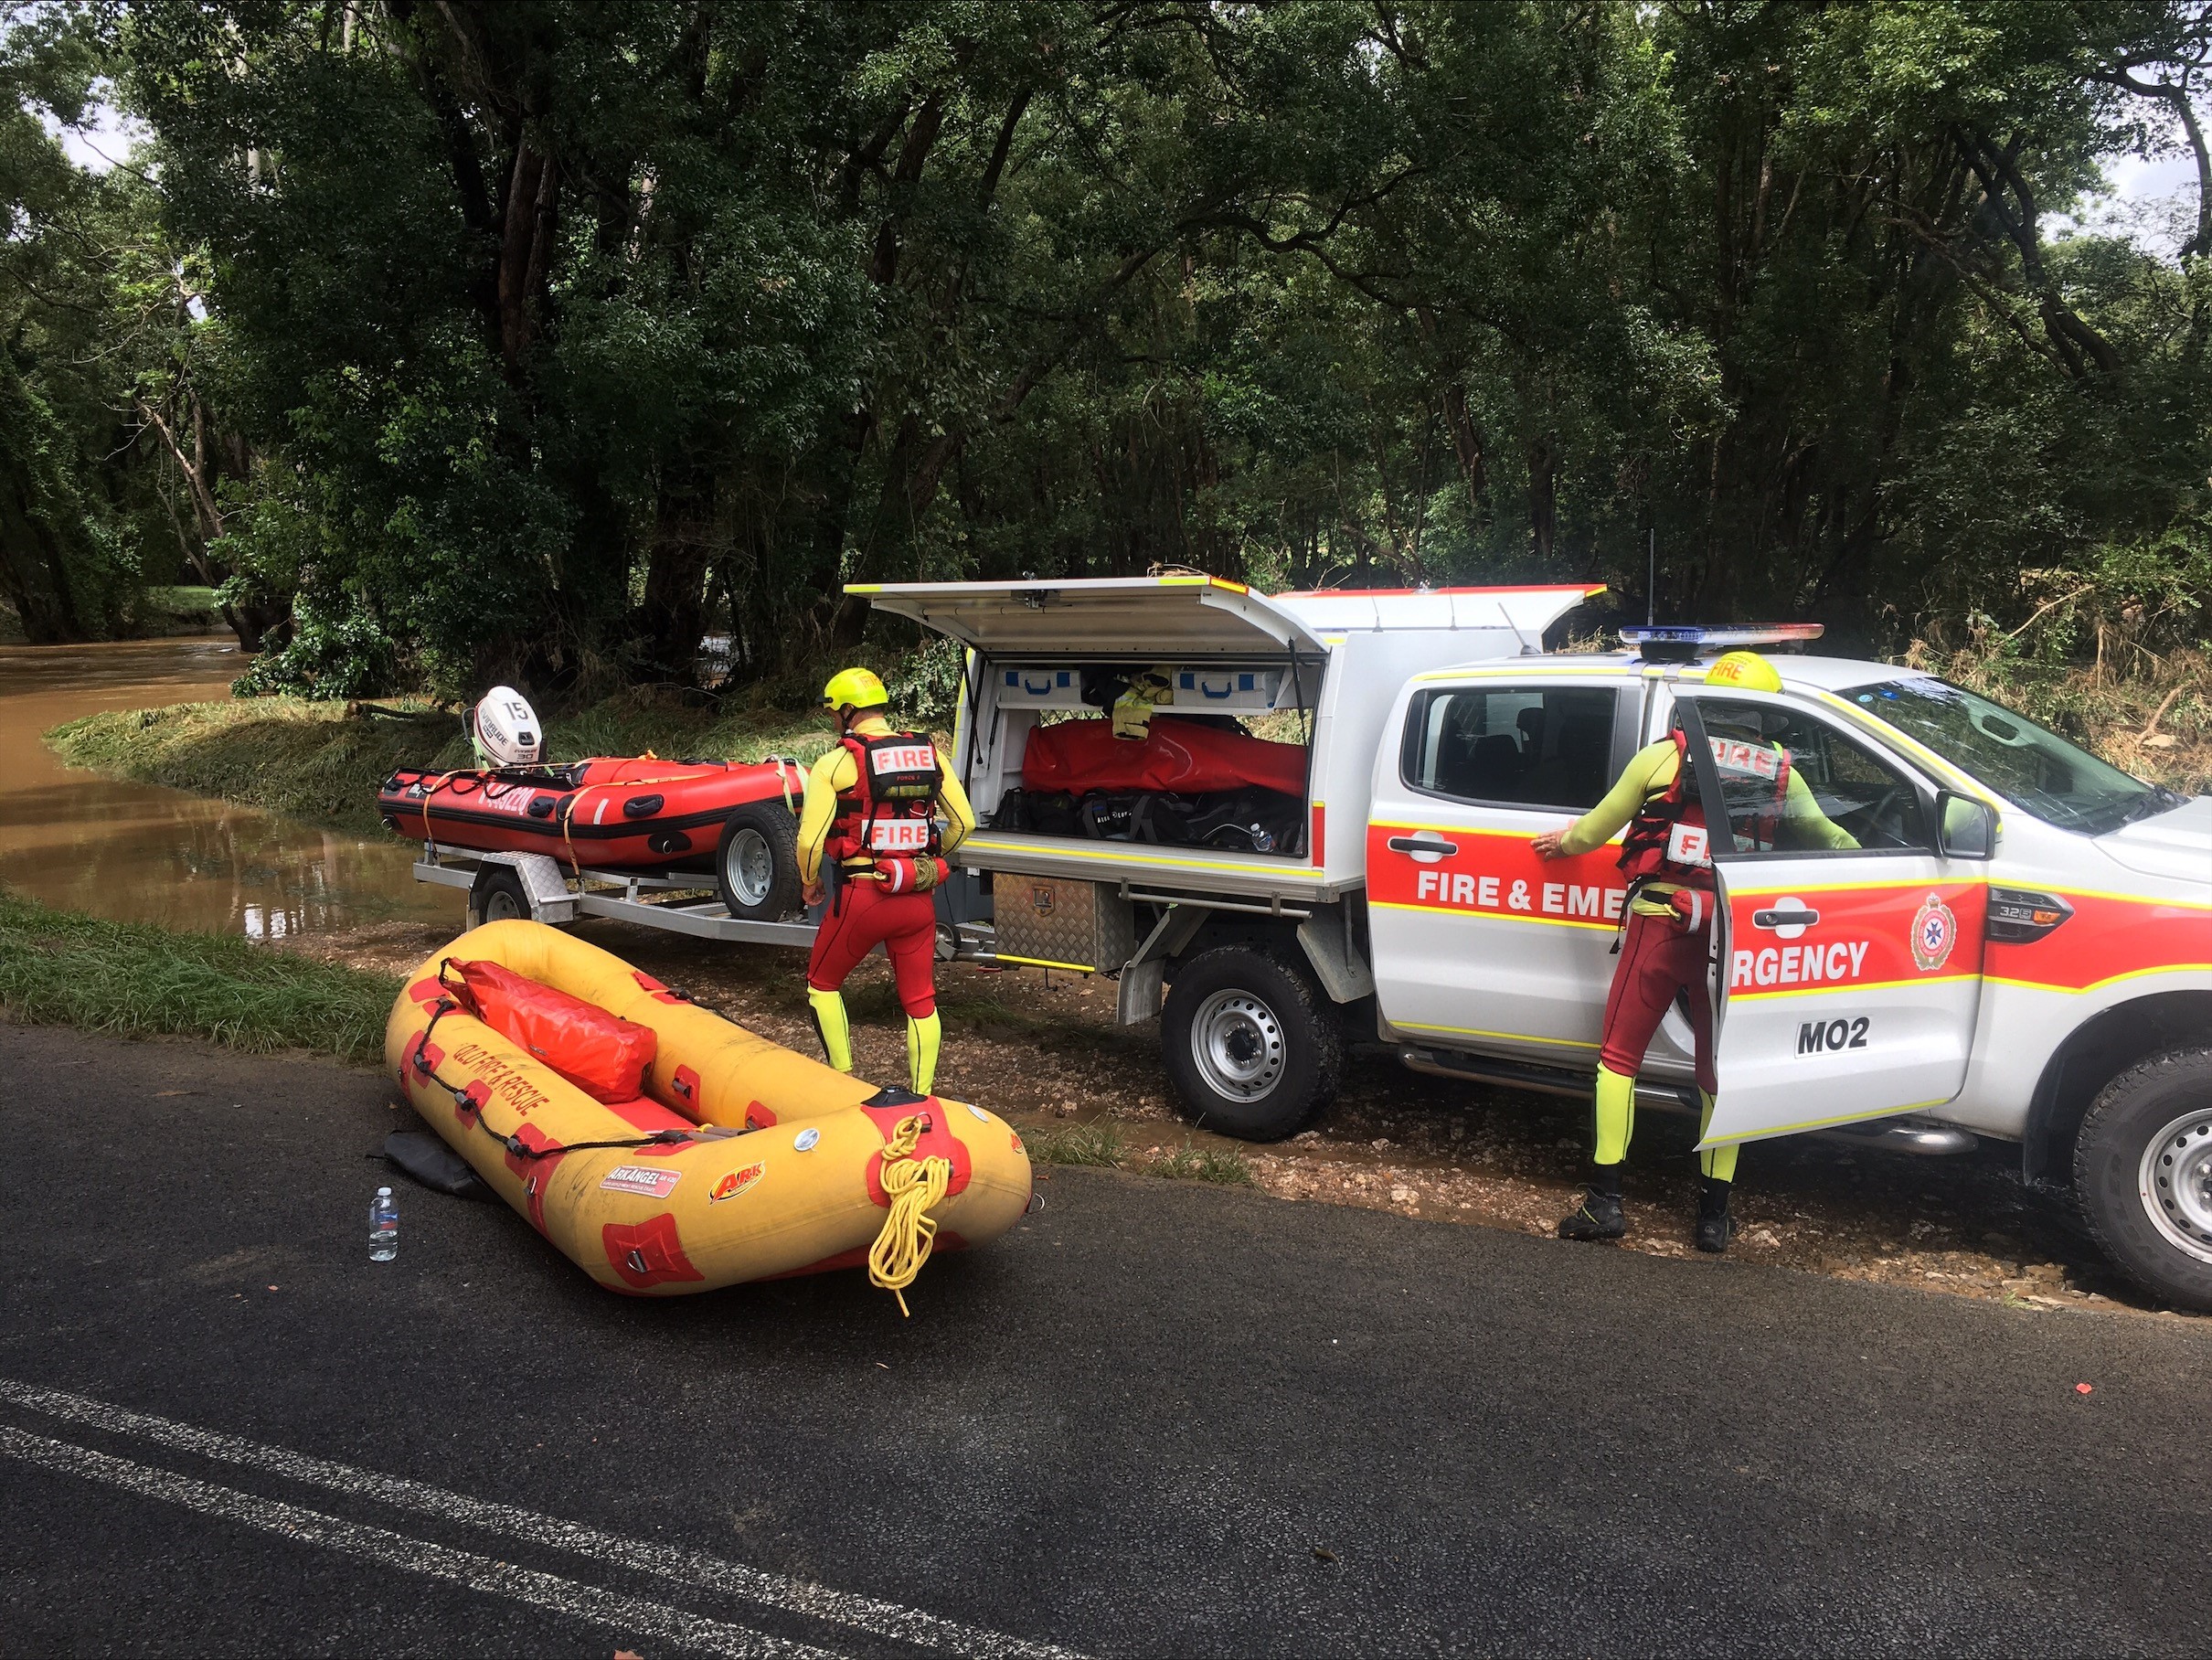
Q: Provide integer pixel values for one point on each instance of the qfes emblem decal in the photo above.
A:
(735, 1182)
(1934, 931)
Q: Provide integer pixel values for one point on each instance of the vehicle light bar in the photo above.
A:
(1686, 641)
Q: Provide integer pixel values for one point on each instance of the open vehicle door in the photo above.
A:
(1848, 928)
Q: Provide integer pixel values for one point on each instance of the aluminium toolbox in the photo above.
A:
(1051, 922)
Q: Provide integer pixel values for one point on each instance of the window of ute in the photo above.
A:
(1794, 784)
(1544, 747)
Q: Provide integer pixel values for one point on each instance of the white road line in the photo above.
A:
(663, 1561)
(632, 1616)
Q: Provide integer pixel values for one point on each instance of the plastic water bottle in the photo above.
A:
(383, 1227)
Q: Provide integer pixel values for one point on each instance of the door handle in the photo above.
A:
(1410, 844)
(1785, 919)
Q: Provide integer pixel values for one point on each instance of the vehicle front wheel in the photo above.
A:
(756, 867)
(497, 896)
(1252, 1045)
(2142, 1167)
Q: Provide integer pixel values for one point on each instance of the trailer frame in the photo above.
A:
(559, 898)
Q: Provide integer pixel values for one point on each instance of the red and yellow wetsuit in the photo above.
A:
(1663, 953)
(865, 913)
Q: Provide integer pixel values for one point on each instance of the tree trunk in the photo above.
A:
(1466, 439)
(673, 615)
(1543, 496)
(518, 256)
(33, 576)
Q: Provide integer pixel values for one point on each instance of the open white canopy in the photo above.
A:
(1190, 618)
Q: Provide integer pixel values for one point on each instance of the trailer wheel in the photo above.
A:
(497, 896)
(756, 865)
(2142, 1168)
(1252, 1045)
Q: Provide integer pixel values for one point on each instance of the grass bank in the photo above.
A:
(1101, 1146)
(324, 760)
(57, 968)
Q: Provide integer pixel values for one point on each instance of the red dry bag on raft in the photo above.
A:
(603, 1055)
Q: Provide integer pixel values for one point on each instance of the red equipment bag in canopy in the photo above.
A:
(601, 1054)
(1189, 757)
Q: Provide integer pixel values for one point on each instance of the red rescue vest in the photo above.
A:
(890, 809)
(1666, 841)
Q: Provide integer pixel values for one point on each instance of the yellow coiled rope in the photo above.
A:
(912, 1185)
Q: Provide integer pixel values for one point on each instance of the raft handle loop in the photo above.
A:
(659, 1138)
(913, 1186)
(422, 1055)
(454, 995)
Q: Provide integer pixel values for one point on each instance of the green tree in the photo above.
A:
(535, 340)
(66, 566)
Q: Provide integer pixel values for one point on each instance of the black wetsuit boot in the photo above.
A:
(1715, 1226)
(1598, 1216)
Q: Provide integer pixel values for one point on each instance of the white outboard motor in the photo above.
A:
(505, 732)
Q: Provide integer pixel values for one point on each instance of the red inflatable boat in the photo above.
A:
(636, 813)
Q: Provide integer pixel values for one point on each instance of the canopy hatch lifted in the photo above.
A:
(1188, 617)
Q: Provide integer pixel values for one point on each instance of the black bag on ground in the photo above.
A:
(425, 1159)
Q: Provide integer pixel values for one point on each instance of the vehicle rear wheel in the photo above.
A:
(497, 896)
(756, 867)
(2142, 1167)
(1252, 1045)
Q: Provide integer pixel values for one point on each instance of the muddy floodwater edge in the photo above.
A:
(128, 851)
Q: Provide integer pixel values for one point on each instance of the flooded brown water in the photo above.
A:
(141, 853)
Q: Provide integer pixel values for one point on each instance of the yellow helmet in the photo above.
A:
(855, 688)
(1747, 670)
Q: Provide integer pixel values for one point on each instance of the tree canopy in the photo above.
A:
(539, 339)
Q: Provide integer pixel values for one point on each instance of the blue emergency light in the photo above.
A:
(1686, 642)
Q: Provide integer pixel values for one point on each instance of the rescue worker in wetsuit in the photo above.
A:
(868, 833)
(1667, 925)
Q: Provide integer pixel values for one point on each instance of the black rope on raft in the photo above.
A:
(472, 1109)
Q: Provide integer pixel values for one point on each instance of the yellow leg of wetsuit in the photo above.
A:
(923, 1037)
(1616, 1115)
(1715, 1164)
(835, 1030)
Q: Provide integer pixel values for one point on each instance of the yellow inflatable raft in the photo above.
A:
(740, 1161)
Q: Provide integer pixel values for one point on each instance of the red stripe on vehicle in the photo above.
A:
(1495, 875)
(2105, 938)
(1864, 936)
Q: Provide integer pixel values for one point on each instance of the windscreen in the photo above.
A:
(2036, 769)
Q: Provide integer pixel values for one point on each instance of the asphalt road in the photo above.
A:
(1156, 1419)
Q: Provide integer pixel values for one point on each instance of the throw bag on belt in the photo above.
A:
(1188, 756)
(601, 1054)
(919, 873)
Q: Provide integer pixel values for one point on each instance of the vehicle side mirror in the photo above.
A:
(1969, 827)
